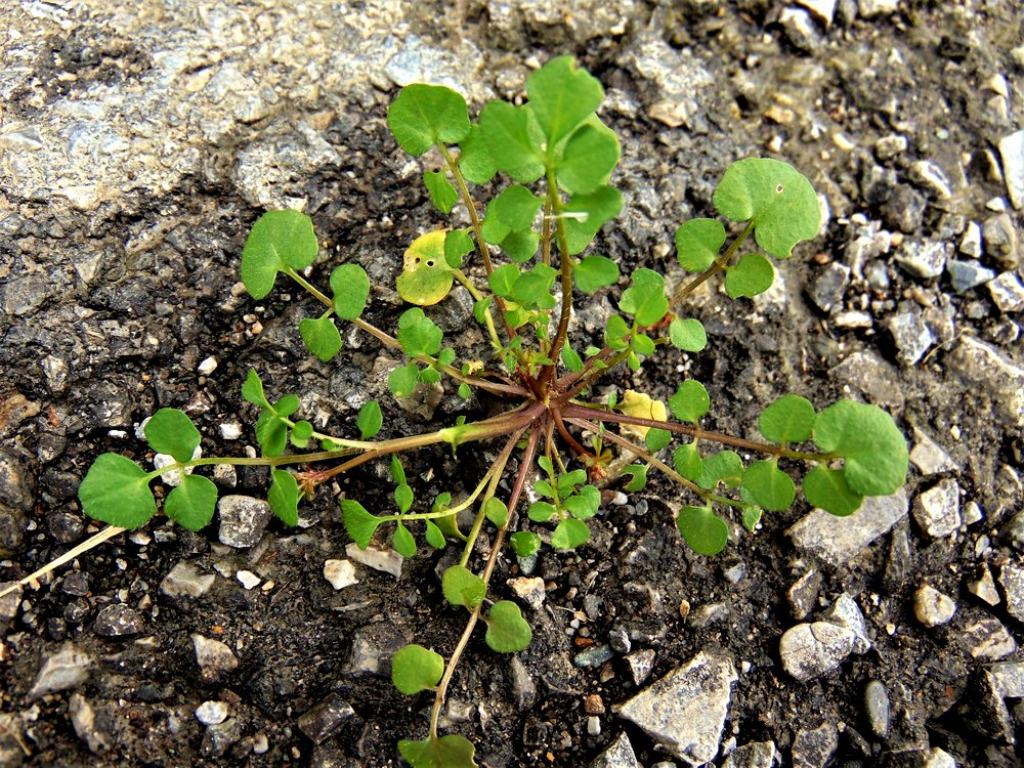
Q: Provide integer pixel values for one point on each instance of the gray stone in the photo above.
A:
(679, 78)
(67, 668)
(890, 146)
(641, 664)
(813, 748)
(13, 524)
(1007, 293)
(384, 560)
(215, 659)
(324, 720)
(83, 720)
(925, 259)
(869, 374)
(988, 639)
(799, 29)
(898, 561)
(928, 456)
(618, 755)
(242, 520)
(828, 287)
(928, 175)
(118, 620)
(932, 607)
(373, 646)
(685, 711)
(340, 573)
(937, 510)
(1011, 577)
(755, 754)
(823, 10)
(837, 540)
(965, 275)
(1015, 530)
(876, 702)
(970, 243)
(530, 590)
(17, 488)
(219, 738)
(1011, 150)
(593, 657)
(911, 334)
(984, 587)
(186, 580)
(1001, 242)
(985, 370)
(212, 712)
(904, 209)
(936, 757)
(803, 594)
(523, 687)
(811, 650)
(845, 612)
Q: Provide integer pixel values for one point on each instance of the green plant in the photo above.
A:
(559, 157)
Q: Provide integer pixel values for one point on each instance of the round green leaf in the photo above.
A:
(703, 530)
(569, 534)
(524, 543)
(520, 246)
(515, 207)
(656, 439)
(359, 524)
(475, 158)
(423, 115)
(687, 334)
(456, 245)
(690, 402)
(776, 197)
(589, 157)
(562, 95)
(171, 432)
(442, 193)
(753, 274)
(284, 497)
(874, 451)
(369, 419)
(321, 337)
(351, 288)
(594, 273)
(584, 503)
(418, 334)
(426, 277)
(278, 240)
(507, 630)
(461, 586)
(402, 541)
(645, 298)
(585, 214)
(722, 467)
(534, 285)
(789, 419)
(402, 380)
(415, 668)
(826, 489)
(434, 535)
(512, 139)
(751, 516)
(698, 242)
(192, 503)
(451, 751)
(771, 488)
(496, 511)
(541, 511)
(687, 461)
(115, 490)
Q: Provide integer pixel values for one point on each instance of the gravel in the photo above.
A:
(812, 650)
(932, 607)
(838, 540)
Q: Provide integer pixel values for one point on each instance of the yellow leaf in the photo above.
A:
(641, 406)
(426, 277)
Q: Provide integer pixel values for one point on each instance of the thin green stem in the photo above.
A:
(495, 472)
(717, 266)
(447, 511)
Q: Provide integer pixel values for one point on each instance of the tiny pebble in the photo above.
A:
(212, 712)
(248, 579)
(208, 366)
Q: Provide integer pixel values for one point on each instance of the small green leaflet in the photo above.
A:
(351, 288)
(301, 434)
(569, 534)
(402, 541)
(615, 332)
(434, 535)
(402, 380)
(192, 503)
(520, 246)
(827, 489)
(588, 159)
(171, 432)
(456, 245)
(874, 451)
(571, 359)
(584, 504)
(369, 420)
(779, 201)
(753, 274)
(424, 115)
(403, 497)
(359, 524)
(698, 242)
(415, 668)
(397, 470)
(770, 486)
(451, 751)
(442, 193)
(115, 490)
(541, 511)
(688, 335)
(703, 530)
(594, 273)
(638, 477)
(321, 337)
(656, 439)
(690, 402)
(567, 482)
(502, 280)
(284, 497)
(789, 419)
(252, 391)
(515, 207)
(524, 543)
(585, 214)
(511, 136)
(461, 586)
(751, 517)
(687, 461)
(279, 240)
(475, 158)
(507, 630)
(496, 511)
(418, 334)
(534, 285)
(645, 298)
(562, 96)
(722, 467)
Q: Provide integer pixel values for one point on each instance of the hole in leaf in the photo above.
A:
(779, 188)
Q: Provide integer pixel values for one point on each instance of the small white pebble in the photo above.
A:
(212, 712)
(230, 430)
(340, 573)
(208, 366)
(268, 586)
(248, 579)
(260, 743)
